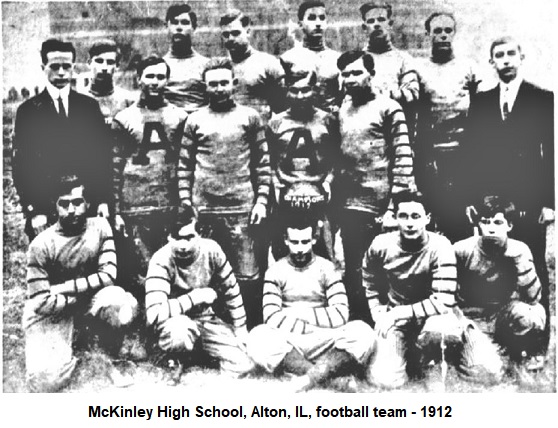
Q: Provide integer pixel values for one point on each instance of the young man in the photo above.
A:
(410, 280)
(447, 83)
(303, 143)
(56, 133)
(395, 69)
(71, 273)
(148, 135)
(104, 57)
(185, 86)
(258, 73)
(225, 174)
(306, 314)
(498, 284)
(376, 163)
(186, 280)
(312, 20)
(509, 151)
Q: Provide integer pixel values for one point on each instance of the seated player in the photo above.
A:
(305, 311)
(498, 284)
(186, 281)
(410, 281)
(303, 142)
(71, 275)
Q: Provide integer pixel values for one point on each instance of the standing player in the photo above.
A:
(148, 136)
(303, 142)
(410, 281)
(312, 19)
(258, 73)
(498, 286)
(104, 57)
(71, 274)
(306, 314)
(56, 133)
(185, 86)
(187, 278)
(396, 74)
(447, 82)
(376, 163)
(225, 174)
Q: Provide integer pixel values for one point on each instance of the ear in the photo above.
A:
(235, 81)
(510, 226)
(390, 22)
(491, 61)
(169, 238)
(428, 218)
(248, 30)
(363, 26)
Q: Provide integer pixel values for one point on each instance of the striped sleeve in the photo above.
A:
(158, 306)
(444, 283)
(228, 287)
(187, 164)
(106, 273)
(402, 163)
(38, 285)
(259, 153)
(336, 313)
(528, 283)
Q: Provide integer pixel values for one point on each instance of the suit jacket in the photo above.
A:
(513, 158)
(47, 146)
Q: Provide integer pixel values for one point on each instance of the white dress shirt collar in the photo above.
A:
(508, 92)
(56, 93)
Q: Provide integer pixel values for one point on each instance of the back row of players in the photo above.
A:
(337, 149)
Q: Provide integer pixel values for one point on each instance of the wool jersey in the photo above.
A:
(377, 159)
(303, 151)
(146, 158)
(259, 85)
(170, 280)
(444, 100)
(423, 276)
(325, 63)
(86, 261)
(493, 278)
(395, 75)
(222, 152)
(297, 298)
(185, 87)
(112, 103)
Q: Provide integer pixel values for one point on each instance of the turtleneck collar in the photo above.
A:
(315, 44)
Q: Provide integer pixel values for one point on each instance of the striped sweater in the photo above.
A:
(297, 300)
(83, 263)
(168, 285)
(424, 278)
(377, 159)
(222, 152)
(488, 279)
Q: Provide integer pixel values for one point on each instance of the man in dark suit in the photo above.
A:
(509, 149)
(59, 132)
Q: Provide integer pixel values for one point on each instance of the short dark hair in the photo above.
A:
(152, 60)
(103, 46)
(349, 57)
(216, 64)
(65, 183)
(308, 5)
(366, 7)
(409, 196)
(293, 73)
(492, 205)
(436, 15)
(502, 41)
(300, 220)
(56, 45)
(232, 15)
(178, 9)
(185, 215)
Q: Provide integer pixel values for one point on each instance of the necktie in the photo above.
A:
(505, 107)
(61, 109)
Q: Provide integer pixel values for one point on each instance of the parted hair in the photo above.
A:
(366, 7)
(103, 46)
(502, 41)
(436, 15)
(409, 196)
(178, 9)
(304, 6)
(232, 15)
(491, 205)
(56, 45)
(152, 60)
(216, 64)
(349, 57)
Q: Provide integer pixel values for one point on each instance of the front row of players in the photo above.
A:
(424, 296)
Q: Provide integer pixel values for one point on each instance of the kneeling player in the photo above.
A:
(186, 280)
(306, 311)
(499, 288)
(71, 275)
(410, 281)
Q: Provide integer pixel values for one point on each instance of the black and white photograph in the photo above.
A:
(293, 197)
